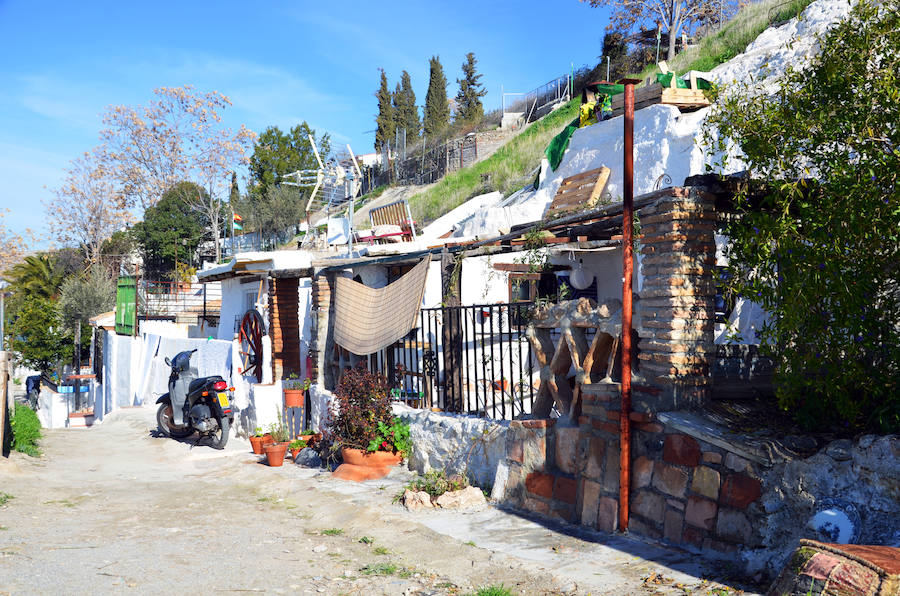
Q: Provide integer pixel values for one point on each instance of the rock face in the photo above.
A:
(467, 499)
(458, 444)
(309, 458)
(417, 500)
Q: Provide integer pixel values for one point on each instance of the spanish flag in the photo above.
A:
(237, 225)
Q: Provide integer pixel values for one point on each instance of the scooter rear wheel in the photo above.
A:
(220, 437)
(167, 425)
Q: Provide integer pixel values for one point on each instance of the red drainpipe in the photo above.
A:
(627, 266)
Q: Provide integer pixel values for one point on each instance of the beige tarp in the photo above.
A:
(369, 319)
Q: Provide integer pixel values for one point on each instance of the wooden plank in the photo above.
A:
(580, 190)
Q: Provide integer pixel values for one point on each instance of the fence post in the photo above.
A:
(452, 337)
(3, 407)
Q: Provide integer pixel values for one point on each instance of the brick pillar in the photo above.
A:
(677, 300)
(321, 306)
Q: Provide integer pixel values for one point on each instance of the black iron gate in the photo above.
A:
(468, 359)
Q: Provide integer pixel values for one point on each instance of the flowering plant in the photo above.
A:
(393, 437)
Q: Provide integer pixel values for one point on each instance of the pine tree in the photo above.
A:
(408, 115)
(468, 101)
(437, 109)
(384, 122)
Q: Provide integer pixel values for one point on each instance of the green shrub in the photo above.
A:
(821, 256)
(500, 590)
(26, 430)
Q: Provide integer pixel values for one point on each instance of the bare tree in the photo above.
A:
(177, 137)
(673, 15)
(87, 208)
(12, 246)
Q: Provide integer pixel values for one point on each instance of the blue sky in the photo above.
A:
(280, 63)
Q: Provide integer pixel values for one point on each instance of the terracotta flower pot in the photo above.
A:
(293, 398)
(311, 440)
(256, 443)
(275, 453)
(360, 465)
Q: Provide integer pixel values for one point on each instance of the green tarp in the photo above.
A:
(560, 142)
(666, 81)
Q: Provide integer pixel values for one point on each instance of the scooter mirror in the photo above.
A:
(168, 362)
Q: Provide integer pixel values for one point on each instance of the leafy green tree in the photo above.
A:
(616, 49)
(170, 231)
(280, 208)
(406, 111)
(277, 153)
(36, 333)
(437, 108)
(820, 250)
(384, 121)
(85, 296)
(469, 108)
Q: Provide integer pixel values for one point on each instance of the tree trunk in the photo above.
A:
(215, 230)
(671, 54)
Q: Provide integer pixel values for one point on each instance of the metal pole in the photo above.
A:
(607, 68)
(3, 315)
(3, 357)
(627, 265)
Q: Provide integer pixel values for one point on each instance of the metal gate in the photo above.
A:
(467, 359)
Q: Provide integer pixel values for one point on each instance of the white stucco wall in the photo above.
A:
(237, 297)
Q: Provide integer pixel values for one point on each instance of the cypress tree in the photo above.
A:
(384, 122)
(408, 115)
(437, 108)
(468, 101)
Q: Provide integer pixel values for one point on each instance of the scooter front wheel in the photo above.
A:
(220, 437)
(167, 426)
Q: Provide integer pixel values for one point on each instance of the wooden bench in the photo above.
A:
(393, 214)
(581, 191)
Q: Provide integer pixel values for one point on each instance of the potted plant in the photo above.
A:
(296, 446)
(276, 451)
(259, 439)
(294, 391)
(371, 439)
(310, 436)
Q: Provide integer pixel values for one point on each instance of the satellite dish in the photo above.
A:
(579, 278)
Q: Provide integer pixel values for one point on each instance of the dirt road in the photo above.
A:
(116, 509)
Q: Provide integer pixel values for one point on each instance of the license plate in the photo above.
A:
(223, 399)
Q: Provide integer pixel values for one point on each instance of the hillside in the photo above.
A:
(667, 142)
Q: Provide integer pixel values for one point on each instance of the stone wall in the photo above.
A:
(459, 444)
(701, 488)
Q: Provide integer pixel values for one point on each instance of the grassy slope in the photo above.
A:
(505, 169)
(734, 37)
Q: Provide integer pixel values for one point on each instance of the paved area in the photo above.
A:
(116, 509)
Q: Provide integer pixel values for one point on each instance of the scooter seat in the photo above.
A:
(197, 384)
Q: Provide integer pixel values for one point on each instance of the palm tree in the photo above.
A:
(37, 276)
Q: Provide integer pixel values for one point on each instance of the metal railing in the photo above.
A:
(167, 299)
(539, 101)
(465, 359)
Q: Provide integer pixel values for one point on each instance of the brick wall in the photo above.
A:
(284, 326)
(321, 305)
(677, 301)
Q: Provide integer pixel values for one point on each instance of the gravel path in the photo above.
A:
(117, 509)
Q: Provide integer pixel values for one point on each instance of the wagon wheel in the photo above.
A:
(252, 330)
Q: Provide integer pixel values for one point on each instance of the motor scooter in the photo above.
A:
(195, 404)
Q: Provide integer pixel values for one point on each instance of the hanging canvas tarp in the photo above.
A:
(367, 320)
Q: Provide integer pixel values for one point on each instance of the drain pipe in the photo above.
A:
(627, 267)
